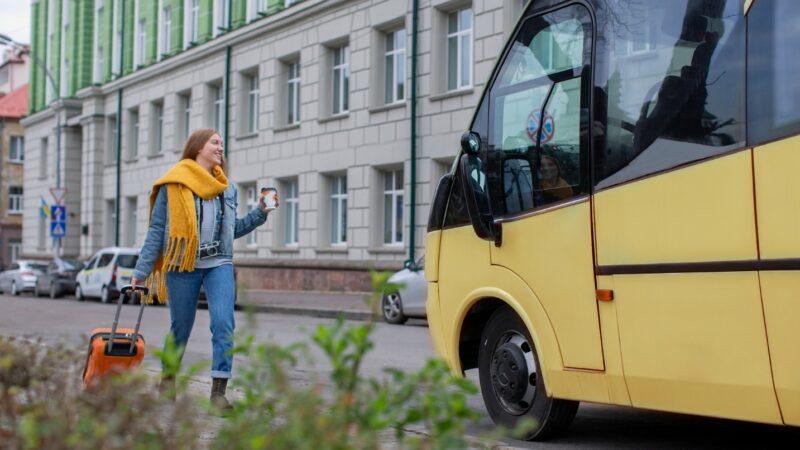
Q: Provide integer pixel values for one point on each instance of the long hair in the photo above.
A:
(197, 140)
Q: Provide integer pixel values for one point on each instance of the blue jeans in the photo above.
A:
(183, 288)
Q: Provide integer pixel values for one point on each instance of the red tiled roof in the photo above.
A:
(15, 104)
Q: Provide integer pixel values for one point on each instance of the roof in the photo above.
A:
(15, 104)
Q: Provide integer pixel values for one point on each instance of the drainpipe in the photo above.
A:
(413, 181)
(227, 99)
(119, 126)
(229, 26)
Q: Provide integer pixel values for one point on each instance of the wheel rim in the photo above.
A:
(391, 306)
(514, 373)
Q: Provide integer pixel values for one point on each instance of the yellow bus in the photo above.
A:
(622, 222)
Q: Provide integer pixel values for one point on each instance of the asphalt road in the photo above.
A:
(406, 347)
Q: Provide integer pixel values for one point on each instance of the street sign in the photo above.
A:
(58, 229)
(59, 194)
(58, 213)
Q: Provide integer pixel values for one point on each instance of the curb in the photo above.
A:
(311, 312)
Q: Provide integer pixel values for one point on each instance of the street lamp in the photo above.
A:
(6, 40)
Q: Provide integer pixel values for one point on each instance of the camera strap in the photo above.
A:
(217, 224)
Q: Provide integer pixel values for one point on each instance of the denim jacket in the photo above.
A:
(158, 233)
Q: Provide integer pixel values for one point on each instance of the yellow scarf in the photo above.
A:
(184, 180)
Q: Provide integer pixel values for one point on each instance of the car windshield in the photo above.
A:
(127, 261)
(72, 265)
(36, 266)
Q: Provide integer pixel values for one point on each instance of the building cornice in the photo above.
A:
(64, 104)
(254, 30)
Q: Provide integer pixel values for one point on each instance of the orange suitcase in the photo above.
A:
(113, 350)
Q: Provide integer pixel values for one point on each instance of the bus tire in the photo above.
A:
(511, 382)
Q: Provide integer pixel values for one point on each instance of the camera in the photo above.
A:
(208, 250)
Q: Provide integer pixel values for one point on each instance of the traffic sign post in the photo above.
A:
(58, 215)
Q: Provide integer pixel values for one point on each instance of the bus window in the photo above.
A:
(670, 80)
(774, 85)
(535, 113)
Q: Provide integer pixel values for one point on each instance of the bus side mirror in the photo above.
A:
(473, 182)
(471, 142)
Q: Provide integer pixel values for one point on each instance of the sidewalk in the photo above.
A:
(351, 305)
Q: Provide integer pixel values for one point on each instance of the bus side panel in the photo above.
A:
(778, 205)
(552, 252)
(690, 342)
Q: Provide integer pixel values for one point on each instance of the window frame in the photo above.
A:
(340, 77)
(16, 198)
(457, 35)
(250, 204)
(291, 204)
(293, 84)
(253, 95)
(16, 153)
(396, 54)
(157, 145)
(338, 210)
(394, 194)
(165, 38)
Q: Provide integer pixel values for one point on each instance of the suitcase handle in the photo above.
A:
(122, 292)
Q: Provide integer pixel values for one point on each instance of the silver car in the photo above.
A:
(21, 276)
(409, 300)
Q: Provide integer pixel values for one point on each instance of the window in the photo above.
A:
(338, 202)
(669, 103)
(157, 144)
(538, 163)
(393, 207)
(220, 16)
(165, 39)
(251, 203)
(111, 222)
(341, 79)
(773, 110)
(14, 247)
(141, 43)
(98, 65)
(133, 134)
(293, 93)
(17, 149)
(395, 68)
(251, 82)
(459, 49)
(217, 108)
(255, 8)
(43, 158)
(184, 117)
(191, 22)
(15, 199)
(111, 139)
(97, 74)
(290, 201)
(130, 221)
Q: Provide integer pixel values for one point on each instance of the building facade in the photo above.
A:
(13, 107)
(313, 97)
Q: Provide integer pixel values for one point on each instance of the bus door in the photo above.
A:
(536, 164)
(675, 221)
(774, 128)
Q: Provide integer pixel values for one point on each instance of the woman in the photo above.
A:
(190, 242)
(552, 185)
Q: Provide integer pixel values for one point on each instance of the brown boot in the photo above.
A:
(218, 400)
(167, 387)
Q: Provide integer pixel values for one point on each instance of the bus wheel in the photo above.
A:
(511, 382)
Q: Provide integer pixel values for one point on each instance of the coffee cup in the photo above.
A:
(270, 197)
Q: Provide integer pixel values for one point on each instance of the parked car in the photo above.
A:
(409, 300)
(21, 276)
(58, 279)
(105, 273)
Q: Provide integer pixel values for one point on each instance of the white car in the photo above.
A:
(105, 273)
(21, 276)
(410, 298)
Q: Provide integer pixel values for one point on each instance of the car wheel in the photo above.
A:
(14, 290)
(79, 293)
(392, 307)
(511, 379)
(53, 291)
(105, 295)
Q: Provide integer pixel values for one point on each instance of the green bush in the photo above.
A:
(43, 403)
